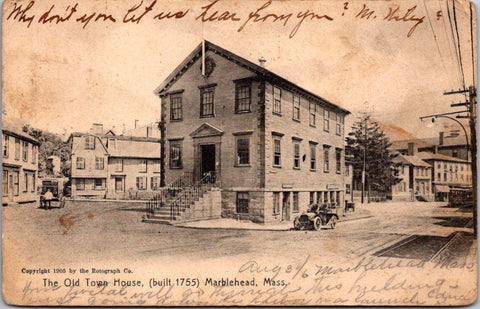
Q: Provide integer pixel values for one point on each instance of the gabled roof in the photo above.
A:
(14, 128)
(145, 149)
(452, 140)
(74, 147)
(411, 160)
(439, 157)
(206, 129)
(196, 54)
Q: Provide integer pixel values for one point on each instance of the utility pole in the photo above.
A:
(473, 135)
(471, 104)
(364, 176)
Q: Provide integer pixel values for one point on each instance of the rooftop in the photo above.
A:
(194, 55)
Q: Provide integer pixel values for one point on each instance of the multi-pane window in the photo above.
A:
(155, 182)
(339, 124)
(112, 143)
(25, 183)
(326, 158)
(34, 154)
(16, 183)
(296, 107)
(119, 165)
(156, 166)
(295, 207)
(313, 157)
(243, 151)
(207, 97)
(312, 197)
(5, 145)
(80, 184)
(99, 163)
(90, 142)
(277, 153)
(175, 155)
(276, 203)
(142, 183)
(4, 183)
(25, 151)
(242, 202)
(80, 163)
(296, 155)
(176, 106)
(99, 184)
(313, 112)
(143, 166)
(17, 149)
(243, 98)
(338, 161)
(326, 120)
(277, 100)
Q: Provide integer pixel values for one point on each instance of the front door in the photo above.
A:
(286, 206)
(119, 187)
(207, 159)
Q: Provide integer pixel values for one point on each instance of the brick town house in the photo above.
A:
(106, 165)
(19, 164)
(273, 146)
(447, 173)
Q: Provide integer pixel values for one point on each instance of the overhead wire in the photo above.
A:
(436, 43)
(447, 38)
(454, 41)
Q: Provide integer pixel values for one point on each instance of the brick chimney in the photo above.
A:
(435, 149)
(412, 149)
(97, 129)
(440, 138)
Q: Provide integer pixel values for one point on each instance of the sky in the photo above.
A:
(63, 77)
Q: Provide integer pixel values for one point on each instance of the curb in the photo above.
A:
(259, 229)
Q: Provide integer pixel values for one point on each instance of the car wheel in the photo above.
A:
(317, 223)
(333, 222)
(296, 224)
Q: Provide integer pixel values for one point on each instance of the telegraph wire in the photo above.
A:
(448, 39)
(436, 43)
(454, 41)
(458, 42)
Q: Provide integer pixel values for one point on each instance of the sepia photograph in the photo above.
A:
(239, 153)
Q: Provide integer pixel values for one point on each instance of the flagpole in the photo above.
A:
(203, 55)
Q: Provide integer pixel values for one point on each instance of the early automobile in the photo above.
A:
(316, 217)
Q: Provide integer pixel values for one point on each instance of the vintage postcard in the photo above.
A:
(222, 152)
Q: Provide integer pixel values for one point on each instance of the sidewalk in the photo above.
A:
(226, 223)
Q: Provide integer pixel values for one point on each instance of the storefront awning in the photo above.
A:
(442, 188)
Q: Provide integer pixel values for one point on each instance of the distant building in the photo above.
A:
(454, 145)
(19, 165)
(416, 179)
(55, 163)
(448, 173)
(115, 166)
(272, 146)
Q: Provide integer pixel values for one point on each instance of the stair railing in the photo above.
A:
(170, 190)
(190, 194)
